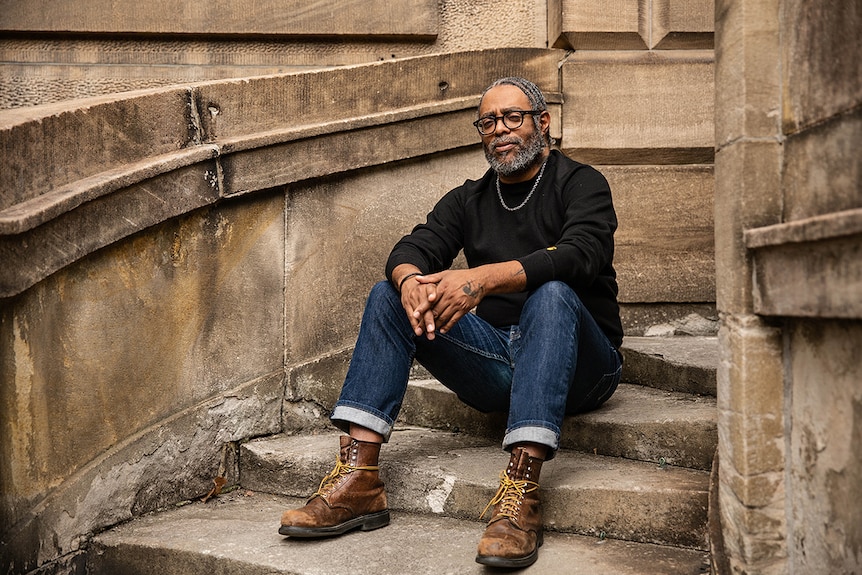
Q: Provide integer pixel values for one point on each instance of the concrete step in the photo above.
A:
(684, 363)
(441, 473)
(236, 534)
(638, 422)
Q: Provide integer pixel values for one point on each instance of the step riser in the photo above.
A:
(686, 441)
(451, 486)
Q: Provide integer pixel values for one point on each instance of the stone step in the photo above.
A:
(684, 363)
(236, 534)
(637, 422)
(455, 475)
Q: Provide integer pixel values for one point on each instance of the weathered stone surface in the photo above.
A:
(53, 146)
(751, 422)
(261, 17)
(240, 539)
(747, 195)
(65, 231)
(176, 459)
(664, 243)
(634, 24)
(684, 364)
(824, 448)
(809, 268)
(682, 24)
(820, 81)
(124, 373)
(615, 25)
(639, 319)
(823, 168)
(56, 66)
(748, 101)
(657, 115)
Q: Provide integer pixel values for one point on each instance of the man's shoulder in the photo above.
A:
(567, 168)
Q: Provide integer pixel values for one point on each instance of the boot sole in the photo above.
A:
(511, 562)
(363, 522)
(508, 562)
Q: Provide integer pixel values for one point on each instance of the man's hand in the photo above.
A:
(416, 296)
(437, 301)
(454, 293)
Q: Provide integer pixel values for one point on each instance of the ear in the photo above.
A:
(545, 123)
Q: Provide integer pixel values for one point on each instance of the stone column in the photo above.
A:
(748, 165)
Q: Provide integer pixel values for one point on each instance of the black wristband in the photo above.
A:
(405, 278)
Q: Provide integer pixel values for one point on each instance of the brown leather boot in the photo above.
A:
(514, 533)
(350, 497)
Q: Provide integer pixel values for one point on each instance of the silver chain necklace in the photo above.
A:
(527, 199)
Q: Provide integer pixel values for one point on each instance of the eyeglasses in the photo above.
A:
(513, 119)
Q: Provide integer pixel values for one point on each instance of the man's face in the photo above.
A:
(511, 152)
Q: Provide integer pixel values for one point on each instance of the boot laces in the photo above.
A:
(334, 477)
(510, 495)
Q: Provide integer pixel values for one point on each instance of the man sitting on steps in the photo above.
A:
(537, 232)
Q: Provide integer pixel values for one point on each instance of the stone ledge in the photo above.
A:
(809, 268)
(91, 166)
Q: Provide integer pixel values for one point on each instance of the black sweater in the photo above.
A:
(564, 232)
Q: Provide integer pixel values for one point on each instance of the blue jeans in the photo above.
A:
(555, 362)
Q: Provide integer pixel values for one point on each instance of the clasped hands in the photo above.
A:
(435, 302)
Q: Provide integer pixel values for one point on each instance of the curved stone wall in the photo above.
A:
(165, 260)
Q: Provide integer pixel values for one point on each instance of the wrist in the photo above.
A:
(405, 278)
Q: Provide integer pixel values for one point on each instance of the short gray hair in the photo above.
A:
(533, 93)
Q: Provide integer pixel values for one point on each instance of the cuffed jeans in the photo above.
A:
(555, 362)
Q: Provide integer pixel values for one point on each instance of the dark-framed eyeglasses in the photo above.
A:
(513, 119)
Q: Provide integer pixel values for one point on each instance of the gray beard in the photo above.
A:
(525, 158)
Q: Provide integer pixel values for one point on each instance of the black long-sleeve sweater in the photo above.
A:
(564, 232)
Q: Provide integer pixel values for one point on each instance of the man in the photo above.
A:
(537, 232)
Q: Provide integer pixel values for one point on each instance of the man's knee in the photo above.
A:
(555, 293)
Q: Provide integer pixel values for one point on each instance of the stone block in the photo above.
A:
(639, 108)
(820, 78)
(753, 536)
(750, 396)
(613, 25)
(809, 268)
(823, 168)
(747, 195)
(747, 70)
(664, 242)
(261, 17)
(682, 24)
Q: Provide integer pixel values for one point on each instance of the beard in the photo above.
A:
(527, 153)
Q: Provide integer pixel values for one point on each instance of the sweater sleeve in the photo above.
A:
(585, 247)
(433, 245)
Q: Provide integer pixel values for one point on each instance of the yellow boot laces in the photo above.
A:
(334, 477)
(510, 494)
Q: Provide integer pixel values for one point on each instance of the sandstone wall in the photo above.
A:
(788, 237)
